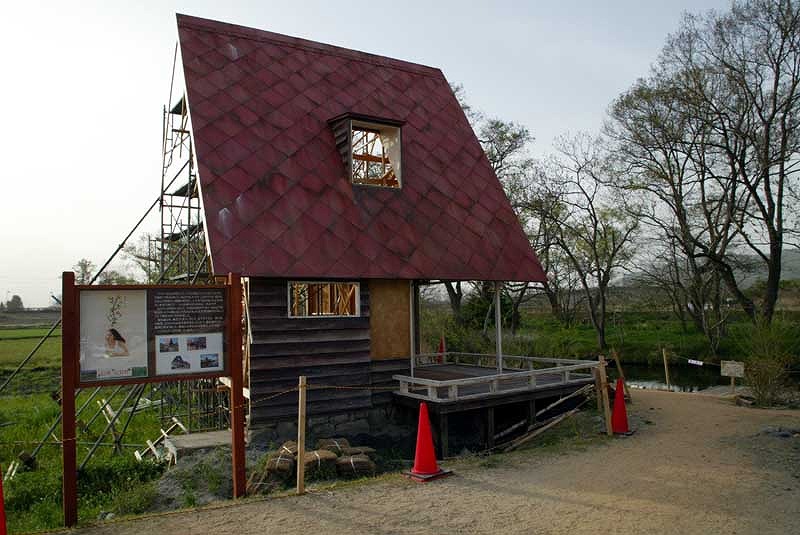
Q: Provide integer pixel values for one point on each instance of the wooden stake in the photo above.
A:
(666, 367)
(733, 386)
(601, 370)
(621, 375)
(301, 436)
(70, 355)
(598, 388)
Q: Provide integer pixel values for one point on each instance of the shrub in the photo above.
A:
(768, 354)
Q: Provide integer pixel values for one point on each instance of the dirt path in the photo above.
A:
(701, 467)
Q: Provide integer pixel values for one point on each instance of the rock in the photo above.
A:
(287, 429)
(358, 427)
(322, 429)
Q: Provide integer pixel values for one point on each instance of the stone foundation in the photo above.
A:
(383, 427)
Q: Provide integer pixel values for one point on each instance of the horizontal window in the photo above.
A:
(323, 299)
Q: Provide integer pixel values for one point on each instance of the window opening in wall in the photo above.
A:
(313, 299)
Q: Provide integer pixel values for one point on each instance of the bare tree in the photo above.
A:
(505, 145)
(737, 73)
(675, 188)
(592, 232)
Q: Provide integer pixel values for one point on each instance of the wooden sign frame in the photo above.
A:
(153, 376)
(71, 381)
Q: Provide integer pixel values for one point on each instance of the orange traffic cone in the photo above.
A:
(2, 506)
(619, 418)
(425, 466)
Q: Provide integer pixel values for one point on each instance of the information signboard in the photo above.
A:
(732, 368)
(130, 335)
(156, 332)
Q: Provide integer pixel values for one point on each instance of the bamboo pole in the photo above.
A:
(666, 367)
(301, 435)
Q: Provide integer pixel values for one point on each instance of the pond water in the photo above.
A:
(682, 378)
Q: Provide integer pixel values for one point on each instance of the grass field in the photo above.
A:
(120, 484)
(27, 410)
(33, 498)
(637, 336)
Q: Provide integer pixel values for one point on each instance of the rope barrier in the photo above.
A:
(696, 360)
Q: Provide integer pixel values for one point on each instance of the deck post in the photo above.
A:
(411, 322)
(498, 327)
(444, 436)
(530, 413)
(490, 427)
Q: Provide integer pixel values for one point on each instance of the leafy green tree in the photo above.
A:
(15, 304)
(84, 271)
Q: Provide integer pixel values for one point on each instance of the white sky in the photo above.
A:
(83, 84)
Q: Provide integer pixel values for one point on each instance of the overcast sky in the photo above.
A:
(83, 84)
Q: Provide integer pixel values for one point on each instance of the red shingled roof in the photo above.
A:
(276, 195)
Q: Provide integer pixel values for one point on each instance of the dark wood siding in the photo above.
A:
(381, 374)
(330, 351)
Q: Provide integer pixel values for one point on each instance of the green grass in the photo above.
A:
(12, 351)
(109, 483)
(32, 333)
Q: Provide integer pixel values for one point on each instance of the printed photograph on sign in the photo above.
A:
(198, 352)
(113, 334)
(209, 361)
(195, 343)
(168, 345)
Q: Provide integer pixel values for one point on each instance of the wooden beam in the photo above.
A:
(301, 435)
(444, 435)
(498, 327)
(411, 323)
(490, 427)
(601, 370)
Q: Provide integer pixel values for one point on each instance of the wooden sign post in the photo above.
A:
(70, 356)
(732, 369)
(160, 333)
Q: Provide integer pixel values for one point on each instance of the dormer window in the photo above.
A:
(375, 154)
(371, 149)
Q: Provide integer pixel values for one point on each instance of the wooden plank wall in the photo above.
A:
(381, 374)
(330, 351)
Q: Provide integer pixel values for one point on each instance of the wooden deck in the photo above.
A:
(454, 380)
(466, 382)
(511, 381)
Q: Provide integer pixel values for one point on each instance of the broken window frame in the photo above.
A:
(325, 295)
(384, 132)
